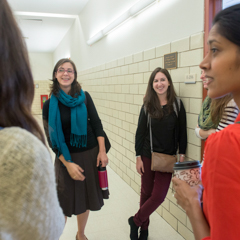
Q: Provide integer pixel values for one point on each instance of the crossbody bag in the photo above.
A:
(162, 162)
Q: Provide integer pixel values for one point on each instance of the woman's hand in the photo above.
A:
(189, 198)
(139, 165)
(75, 171)
(186, 196)
(103, 158)
(206, 133)
(181, 157)
(210, 131)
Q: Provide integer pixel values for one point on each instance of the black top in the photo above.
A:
(94, 124)
(168, 133)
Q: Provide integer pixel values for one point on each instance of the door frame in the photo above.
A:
(211, 8)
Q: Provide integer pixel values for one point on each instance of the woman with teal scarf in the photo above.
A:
(75, 133)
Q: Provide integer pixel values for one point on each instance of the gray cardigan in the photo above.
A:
(29, 207)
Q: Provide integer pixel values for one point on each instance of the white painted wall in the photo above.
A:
(41, 65)
(164, 22)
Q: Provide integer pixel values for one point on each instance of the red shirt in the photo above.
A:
(221, 181)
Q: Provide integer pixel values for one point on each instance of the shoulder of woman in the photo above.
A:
(26, 168)
(232, 103)
(86, 93)
(20, 145)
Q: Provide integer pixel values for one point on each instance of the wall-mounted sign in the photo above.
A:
(190, 78)
(171, 60)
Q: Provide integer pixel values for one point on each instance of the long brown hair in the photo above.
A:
(217, 107)
(16, 81)
(151, 100)
(55, 87)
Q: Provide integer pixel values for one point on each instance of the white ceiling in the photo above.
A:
(44, 33)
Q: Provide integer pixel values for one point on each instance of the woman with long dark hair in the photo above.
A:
(75, 133)
(221, 169)
(29, 206)
(168, 124)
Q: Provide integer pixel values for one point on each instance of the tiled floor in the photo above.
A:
(110, 223)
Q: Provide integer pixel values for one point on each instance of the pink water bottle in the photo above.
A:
(102, 175)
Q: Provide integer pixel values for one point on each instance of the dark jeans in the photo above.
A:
(154, 189)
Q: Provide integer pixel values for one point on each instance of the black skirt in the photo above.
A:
(75, 197)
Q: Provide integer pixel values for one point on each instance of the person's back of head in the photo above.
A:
(16, 81)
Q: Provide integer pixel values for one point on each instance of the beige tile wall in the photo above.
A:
(117, 89)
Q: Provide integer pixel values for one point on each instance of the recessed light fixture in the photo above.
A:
(134, 10)
(39, 14)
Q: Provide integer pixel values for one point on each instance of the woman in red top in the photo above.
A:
(221, 170)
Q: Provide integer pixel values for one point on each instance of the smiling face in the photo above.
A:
(65, 76)
(161, 84)
(221, 66)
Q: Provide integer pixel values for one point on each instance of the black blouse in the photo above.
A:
(168, 133)
(94, 124)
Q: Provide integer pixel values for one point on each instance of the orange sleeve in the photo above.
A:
(222, 185)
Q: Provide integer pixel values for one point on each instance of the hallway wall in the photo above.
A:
(116, 70)
(42, 67)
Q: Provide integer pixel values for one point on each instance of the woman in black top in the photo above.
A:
(75, 133)
(168, 123)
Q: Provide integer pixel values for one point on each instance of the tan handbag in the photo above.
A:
(163, 162)
(160, 162)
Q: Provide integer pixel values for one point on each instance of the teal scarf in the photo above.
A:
(78, 136)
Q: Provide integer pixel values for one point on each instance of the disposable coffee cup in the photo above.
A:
(189, 171)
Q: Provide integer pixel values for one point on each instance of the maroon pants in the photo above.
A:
(154, 188)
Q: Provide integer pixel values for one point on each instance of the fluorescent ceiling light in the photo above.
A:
(135, 9)
(116, 23)
(95, 38)
(139, 6)
(38, 14)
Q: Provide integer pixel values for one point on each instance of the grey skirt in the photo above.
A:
(75, 197)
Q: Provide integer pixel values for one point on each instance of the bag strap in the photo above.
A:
(150, 132)
(176, 106)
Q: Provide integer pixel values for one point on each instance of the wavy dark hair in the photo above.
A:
(16, 81)
(55, 87)
(151, 100)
